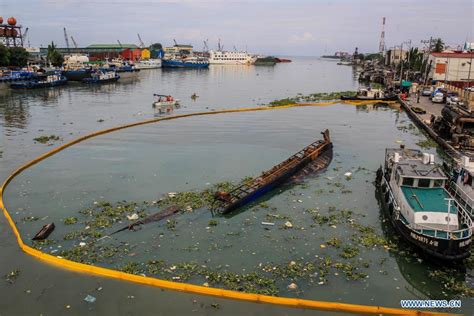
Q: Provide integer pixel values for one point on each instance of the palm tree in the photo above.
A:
(437, 46)
(51, 52)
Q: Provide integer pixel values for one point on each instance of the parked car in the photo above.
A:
(454, 99)
(426, 92)
(438, 98)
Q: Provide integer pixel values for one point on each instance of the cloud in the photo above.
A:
(304, 37)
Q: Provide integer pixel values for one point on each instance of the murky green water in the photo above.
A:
(145, 163)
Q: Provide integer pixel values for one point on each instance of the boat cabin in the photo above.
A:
(419, 186)
(370, 93)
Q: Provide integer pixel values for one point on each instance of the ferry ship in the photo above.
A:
(412, 190)
(185, 62)
(220, 57)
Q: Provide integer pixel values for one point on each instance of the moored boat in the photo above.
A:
(149, 64)
(368, 94)
(319, 152)
(164, 100)
(185, 62)
(77, 74)
(413, 194)
(47, 80)
(101, 76)
(282, 60)
(221, 57)
(265, 61)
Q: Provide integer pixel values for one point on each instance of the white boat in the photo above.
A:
(148, 64)
(164, 100)
(221, 57)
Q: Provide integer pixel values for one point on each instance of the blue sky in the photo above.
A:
(281, 27)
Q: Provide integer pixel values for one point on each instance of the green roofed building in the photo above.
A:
(94, 49)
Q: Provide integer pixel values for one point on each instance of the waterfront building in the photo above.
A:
(452, 67)
(145, 54)
(394, 55)
(179, 49)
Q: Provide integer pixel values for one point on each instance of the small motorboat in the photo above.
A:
(369, 94)
(164, 100)
(102, 76)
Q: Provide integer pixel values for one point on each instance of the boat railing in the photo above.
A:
(462, 196)
(463, 217)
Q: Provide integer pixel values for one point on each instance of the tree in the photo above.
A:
(4, 56)
(18, 56)
(53, 56)
(437, 45)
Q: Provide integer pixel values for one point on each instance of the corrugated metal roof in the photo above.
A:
(454, 55)
(112, 46)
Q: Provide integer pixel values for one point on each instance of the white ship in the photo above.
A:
(220, 57)
(148, 64)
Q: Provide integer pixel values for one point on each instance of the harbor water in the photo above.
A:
(332, 215)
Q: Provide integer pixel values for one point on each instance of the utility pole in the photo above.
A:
(409, 53)
(401, 63)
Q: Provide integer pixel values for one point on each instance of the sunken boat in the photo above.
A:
(319, 154)
(413, 194)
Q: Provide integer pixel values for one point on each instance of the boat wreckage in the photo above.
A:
(318, 154)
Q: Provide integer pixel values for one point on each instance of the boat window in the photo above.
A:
(424, 183)
(408, 181)
(438, 183)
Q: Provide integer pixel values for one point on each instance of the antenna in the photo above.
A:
(142, 45)
(73, 42)
(67, 40)
(382, 38)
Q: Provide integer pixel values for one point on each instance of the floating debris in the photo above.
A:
(288, 224)
(292, 286)
(90, 299)
(44, 232)
(12, 276)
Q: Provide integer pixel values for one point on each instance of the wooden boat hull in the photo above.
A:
(270, 186)
(44, 232)
(274, 177)
(444, 249)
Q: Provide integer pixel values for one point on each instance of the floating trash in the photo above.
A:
(132, 217)
(292, 286)
(90, 299)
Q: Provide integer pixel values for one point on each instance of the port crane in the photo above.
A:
(74, 42)
(142, 45)
(119, 44)
(67, 40)
(206, 47)
(24, 36)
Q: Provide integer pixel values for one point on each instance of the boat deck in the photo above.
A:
(428, 200)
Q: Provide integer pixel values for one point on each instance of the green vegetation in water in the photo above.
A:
(213, 222)
(323, 96)
(70, 220)
(427, 144)
(46, 139)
